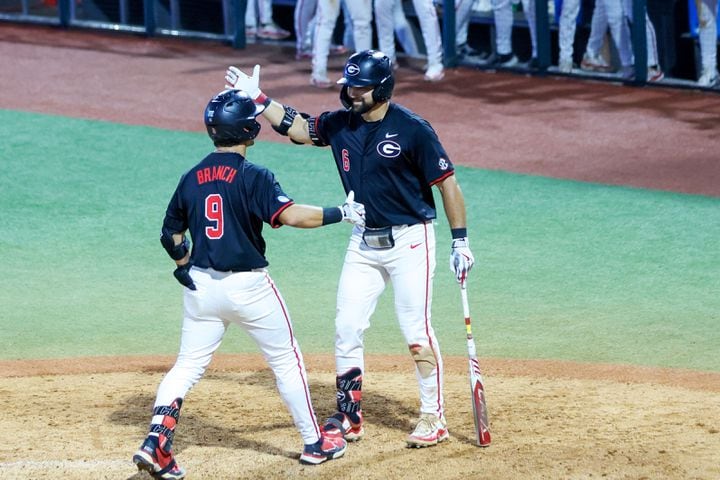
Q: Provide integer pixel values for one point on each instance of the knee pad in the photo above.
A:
(424, 357)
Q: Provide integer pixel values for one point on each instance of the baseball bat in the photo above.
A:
(477, 389)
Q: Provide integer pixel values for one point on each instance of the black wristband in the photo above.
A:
(312, 131)
(287, 121)
(458, 233)
(267, 102)
(331, 215)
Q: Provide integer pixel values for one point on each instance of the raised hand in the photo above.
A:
(239, 80)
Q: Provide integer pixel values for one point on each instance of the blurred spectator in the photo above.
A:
(566, 34)
(325, 19)
(707, 33)
(463, 12)
(593, 59)
(429, 25)
(304, 17)
(617, 14)
(404, 31)
(654, 72)
(401, 30)
(268, 29)
(503, 13)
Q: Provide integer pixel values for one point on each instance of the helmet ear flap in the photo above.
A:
(383, 91)
(345, 98)
(252, 130)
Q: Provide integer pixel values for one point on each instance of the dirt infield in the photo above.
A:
(549, 420)
(83, 418)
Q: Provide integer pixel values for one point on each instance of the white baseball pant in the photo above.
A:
(463, 11)
(326, 17)
(303, 16)
(502, 11)
(410, 266)
(707, 33)
(429, 26)
(403, 30)
(651, 38)
(251, 300)
(609, 13)
(566, 33)
(255, 7)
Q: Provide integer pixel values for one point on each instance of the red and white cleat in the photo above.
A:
(323, 450)
(430, 430)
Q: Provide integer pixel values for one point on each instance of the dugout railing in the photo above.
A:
(217, 20)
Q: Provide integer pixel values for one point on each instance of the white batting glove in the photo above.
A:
(352, 211)
(461, 259)
(239, 80)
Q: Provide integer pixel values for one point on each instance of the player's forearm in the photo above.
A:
(453, 203)
(302, 216)
(275, 113)
(178, 239)
(309, 216)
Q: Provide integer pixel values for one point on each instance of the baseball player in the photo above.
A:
(427, 16)
(326, 17)
(403, 31)
(654, 72)
(268, 30)
(503, 16)
(463, 12)
(618, 13)
(304, 18)
(566, 33)
(593, 60)
(707, 36)
(391, 158)
(223, 201)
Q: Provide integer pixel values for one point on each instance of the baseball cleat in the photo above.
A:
(435, 73)
(340, 425)
(323, 450)
(565, 66)
(320, 82)
(152, 459)
(709, 78)
(271, 31)
(338, 50)
(505, 60)
(430, 430)
(595, 63)
(655, 74)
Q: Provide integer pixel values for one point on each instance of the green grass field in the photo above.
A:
(565, 270)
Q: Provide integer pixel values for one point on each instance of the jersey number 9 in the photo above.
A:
(214, 213)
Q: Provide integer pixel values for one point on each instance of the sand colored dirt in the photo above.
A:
(83, 418)
(549, 420)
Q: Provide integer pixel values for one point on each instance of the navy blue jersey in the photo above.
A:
(223, 202)
(390, 164)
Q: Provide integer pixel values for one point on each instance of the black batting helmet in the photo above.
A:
(230, 118)
(368, 68)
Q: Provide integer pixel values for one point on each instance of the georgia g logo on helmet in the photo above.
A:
(351, 69)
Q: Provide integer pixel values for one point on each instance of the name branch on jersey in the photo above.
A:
(217, 172)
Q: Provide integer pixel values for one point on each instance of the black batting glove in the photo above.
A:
(182, 275)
